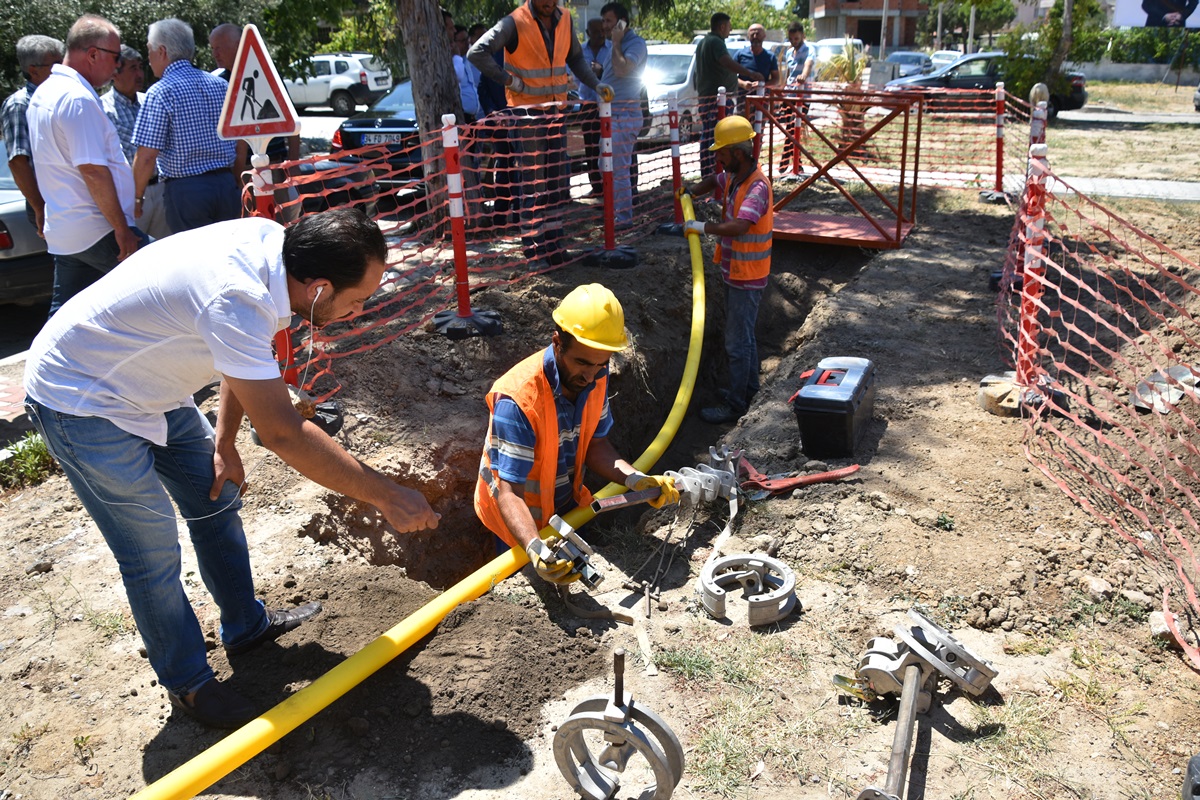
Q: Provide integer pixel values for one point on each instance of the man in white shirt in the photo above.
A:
(81, 170)
(109, 384)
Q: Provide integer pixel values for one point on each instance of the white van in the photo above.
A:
(826, 49)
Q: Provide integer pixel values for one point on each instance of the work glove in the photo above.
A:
(517, 85)
(693, 226)
(548, 566)
(605, 91)
(669, 494)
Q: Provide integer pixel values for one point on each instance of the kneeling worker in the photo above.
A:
(549, 424)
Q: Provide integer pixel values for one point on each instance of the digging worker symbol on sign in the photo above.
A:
(257, 111)
(248, 90)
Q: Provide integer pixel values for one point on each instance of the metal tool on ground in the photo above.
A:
(768, 583)
(908, 666)
(646, 589)
(755, 485)
(622, 730)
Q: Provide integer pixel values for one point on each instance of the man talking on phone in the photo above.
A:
(623, 73)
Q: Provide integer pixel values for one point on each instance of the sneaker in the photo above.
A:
(216, 706)
(282, 620)
(720, 414)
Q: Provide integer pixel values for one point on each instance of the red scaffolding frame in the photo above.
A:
(783, 108)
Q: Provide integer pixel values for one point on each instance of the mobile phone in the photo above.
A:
(620, 25)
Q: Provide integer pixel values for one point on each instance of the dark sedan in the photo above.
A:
(984, 71)
(385, 139)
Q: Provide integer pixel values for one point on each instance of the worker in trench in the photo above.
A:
(549, 425)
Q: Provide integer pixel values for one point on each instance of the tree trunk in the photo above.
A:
(1065, 41)
(435, 88)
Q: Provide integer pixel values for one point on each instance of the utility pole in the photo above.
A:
(937, 39)
(883, 33)
(971, 32)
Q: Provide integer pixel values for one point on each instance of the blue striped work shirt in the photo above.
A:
(179, 119)
(511, 446)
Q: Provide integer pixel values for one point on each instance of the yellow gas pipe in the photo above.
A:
(237, 748)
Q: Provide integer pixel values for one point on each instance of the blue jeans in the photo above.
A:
(126, 483)
(741, 315)
(625, 124)
(200, 200)
(74, 273)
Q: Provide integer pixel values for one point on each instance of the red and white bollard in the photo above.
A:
(462, 322)
(760, 92)
(1033, 267)
(606, 175)
(1000, 113)
(676, 156)
(1037, 124)
(610, 255)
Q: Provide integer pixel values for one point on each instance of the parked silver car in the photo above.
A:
(26, 269)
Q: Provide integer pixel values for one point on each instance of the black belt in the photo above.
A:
(152, 181)
(200, 175)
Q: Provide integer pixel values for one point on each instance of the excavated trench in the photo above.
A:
(643, 386)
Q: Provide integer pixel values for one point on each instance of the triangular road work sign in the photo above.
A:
(257, 105)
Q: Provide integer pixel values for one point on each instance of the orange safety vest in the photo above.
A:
(527, 385)
(544, 74)
(751, 256)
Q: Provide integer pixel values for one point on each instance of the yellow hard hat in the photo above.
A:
(593, 315)
(732, 130)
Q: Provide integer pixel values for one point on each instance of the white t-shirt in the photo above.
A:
(169, 320)
(68, 128)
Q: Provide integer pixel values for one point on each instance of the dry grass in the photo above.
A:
(1159, 98)
(1114, 150)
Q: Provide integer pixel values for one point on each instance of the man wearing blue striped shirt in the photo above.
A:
(177, 129)
(550, 423)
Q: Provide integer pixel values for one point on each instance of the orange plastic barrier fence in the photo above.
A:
(1103, 320)
(533, 197)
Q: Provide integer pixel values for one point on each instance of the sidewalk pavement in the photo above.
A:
(1171, 191)
(1116, 116)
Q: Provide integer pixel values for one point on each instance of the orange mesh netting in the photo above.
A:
(1111, 317)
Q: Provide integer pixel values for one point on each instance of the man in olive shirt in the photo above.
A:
(716, 68)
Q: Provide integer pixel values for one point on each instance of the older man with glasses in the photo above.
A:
(81, 170)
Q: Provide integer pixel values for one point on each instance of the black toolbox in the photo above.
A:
(834, 406)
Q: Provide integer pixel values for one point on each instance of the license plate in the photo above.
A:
(380, 81)
(383, 138)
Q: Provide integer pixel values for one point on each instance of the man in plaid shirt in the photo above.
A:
(177, 130)
(36, 55)
(121, 104)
